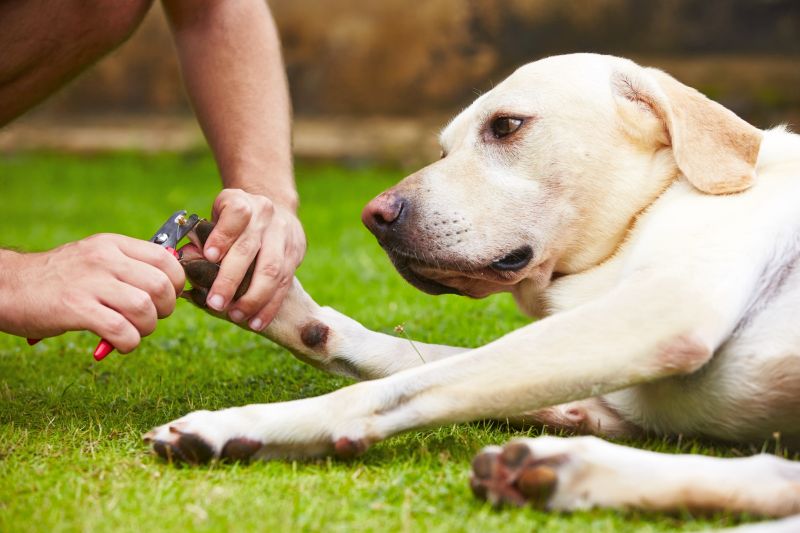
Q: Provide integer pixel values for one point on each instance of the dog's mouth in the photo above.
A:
(514, 261)
(426, 284)
(460, 277)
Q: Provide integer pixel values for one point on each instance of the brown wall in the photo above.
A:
(395, 57)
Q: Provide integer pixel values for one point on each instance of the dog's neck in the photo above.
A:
(602, 229)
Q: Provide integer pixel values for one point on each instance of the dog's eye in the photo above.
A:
(504, 126)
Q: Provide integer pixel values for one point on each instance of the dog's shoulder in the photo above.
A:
(685, 228)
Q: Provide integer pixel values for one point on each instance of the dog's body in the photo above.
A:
(659, 236)
(750, 388)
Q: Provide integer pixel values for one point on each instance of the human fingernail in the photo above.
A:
(236, 315)
(256, 324)
(212, 254)
(216, 302)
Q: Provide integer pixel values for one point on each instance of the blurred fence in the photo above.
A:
(410, 62)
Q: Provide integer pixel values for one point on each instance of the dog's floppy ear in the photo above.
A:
(715, 149)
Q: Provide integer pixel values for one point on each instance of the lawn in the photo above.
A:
(71, 457)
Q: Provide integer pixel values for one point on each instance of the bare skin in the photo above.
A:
(113, 285)
(244, 111)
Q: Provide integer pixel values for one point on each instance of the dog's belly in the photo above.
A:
(748, 392)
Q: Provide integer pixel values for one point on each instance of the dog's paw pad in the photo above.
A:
(514, 475)
(514, 454)
(537, 484)
(200, 273)
(191, 440)
(483, 466)
(198, 296)
(347, 448)
(240, 450)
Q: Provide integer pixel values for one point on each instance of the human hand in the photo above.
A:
(252, 227)
(112, 285)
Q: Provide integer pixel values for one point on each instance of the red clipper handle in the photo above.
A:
(104, 347)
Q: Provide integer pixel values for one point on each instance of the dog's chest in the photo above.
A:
(571, 291)
(750, 389)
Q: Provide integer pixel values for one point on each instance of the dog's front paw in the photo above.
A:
(199, 438)
(202, 273)
(291, 430)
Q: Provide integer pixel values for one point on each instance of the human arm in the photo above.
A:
(112, 285)
(231, 63)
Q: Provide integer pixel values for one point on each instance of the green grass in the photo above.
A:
(71, 457)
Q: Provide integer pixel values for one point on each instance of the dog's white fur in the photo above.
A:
(666, 265)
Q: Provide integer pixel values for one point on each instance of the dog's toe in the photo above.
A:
(514, 454)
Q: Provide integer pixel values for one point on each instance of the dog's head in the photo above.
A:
(546, 172)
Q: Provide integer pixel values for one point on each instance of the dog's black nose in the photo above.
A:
(383, 213)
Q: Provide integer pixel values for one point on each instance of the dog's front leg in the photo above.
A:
(638, 332)
(320, 336)
(331, 341)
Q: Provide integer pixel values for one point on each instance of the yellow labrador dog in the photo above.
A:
(658, 237)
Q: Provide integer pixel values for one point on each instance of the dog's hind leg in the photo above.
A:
(592, 416)
(320, 336)
(586, 472)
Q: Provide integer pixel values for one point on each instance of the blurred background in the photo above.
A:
(375, 80)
